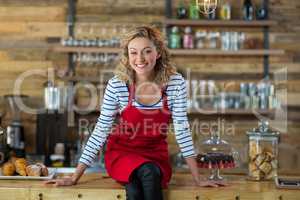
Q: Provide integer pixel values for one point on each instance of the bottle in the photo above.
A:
(193, 10)
(225, 11)
(200, 39)
(262, 12)
(188, 38)
(211, 14)
(248, 10)
(181, 11)
(58, 158)
(174, 38)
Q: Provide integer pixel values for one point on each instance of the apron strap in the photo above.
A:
(164, 97)
(131, 91)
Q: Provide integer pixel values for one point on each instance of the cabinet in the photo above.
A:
(12, 193)
(94, 186)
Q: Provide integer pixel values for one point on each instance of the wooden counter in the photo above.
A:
(98, 187)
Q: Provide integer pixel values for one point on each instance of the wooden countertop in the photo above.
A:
(98, 186)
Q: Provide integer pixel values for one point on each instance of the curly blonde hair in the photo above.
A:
(163, 69)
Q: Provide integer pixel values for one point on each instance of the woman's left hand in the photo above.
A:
(210, 183)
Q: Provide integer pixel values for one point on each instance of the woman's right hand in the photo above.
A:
(63, 181)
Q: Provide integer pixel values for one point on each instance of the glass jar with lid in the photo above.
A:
(216, 154)
(263, 152)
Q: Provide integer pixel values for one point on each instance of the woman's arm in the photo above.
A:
(97, 138)
(182, 130)
(78, 173)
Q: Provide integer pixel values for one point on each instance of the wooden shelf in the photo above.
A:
(214, 52)
(82, 79)
(206, 52)
(224, 23)
(232, 111)
(65, 49)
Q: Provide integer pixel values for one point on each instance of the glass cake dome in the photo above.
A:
(216, 154)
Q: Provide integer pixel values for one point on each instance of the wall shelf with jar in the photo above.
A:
(240, 98)
(186, 38)
(215, 52)
(82, 79)
(108, 50)
(207, 52)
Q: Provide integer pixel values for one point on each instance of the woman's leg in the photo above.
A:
(134, 189)
(150, 177)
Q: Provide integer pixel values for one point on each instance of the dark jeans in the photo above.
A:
(145, 183)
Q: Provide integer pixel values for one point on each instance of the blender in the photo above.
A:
(15, 130)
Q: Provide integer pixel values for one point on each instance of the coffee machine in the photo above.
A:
(3, 146)
(15, 131)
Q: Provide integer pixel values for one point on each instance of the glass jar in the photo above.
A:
(225, 11)
(174, 38)
(188, 38)
(216, 154)
(181, 10)
(200, 39)
(263, 152)
(213, 38)
(193, 10)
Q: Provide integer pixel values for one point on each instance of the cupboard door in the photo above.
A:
(64, 193)
(288, 196)
(14, 194)
(223, 195)
(184, 194)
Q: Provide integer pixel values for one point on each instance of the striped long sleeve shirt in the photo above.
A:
(116, 99)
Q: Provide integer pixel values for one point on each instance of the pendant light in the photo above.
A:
(207, 6)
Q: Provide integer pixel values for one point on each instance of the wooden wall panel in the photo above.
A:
(32, 13)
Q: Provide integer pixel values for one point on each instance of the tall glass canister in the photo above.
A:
(263, 152)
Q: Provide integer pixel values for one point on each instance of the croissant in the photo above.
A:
(33, 170)
(44, 169)
(8, 169)
(20, 165)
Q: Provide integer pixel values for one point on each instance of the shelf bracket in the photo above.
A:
(266, 44)
(71, 19)
(168, 8)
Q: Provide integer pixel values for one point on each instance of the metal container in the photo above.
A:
(54, 97)
(263, 152)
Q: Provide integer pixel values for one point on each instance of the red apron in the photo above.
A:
(140, 137)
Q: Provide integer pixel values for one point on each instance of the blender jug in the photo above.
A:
(15, 130)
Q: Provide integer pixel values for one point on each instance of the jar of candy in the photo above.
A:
(263, 152)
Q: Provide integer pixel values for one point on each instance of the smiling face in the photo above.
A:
(142, 56)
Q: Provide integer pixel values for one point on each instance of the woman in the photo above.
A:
(148, 93)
